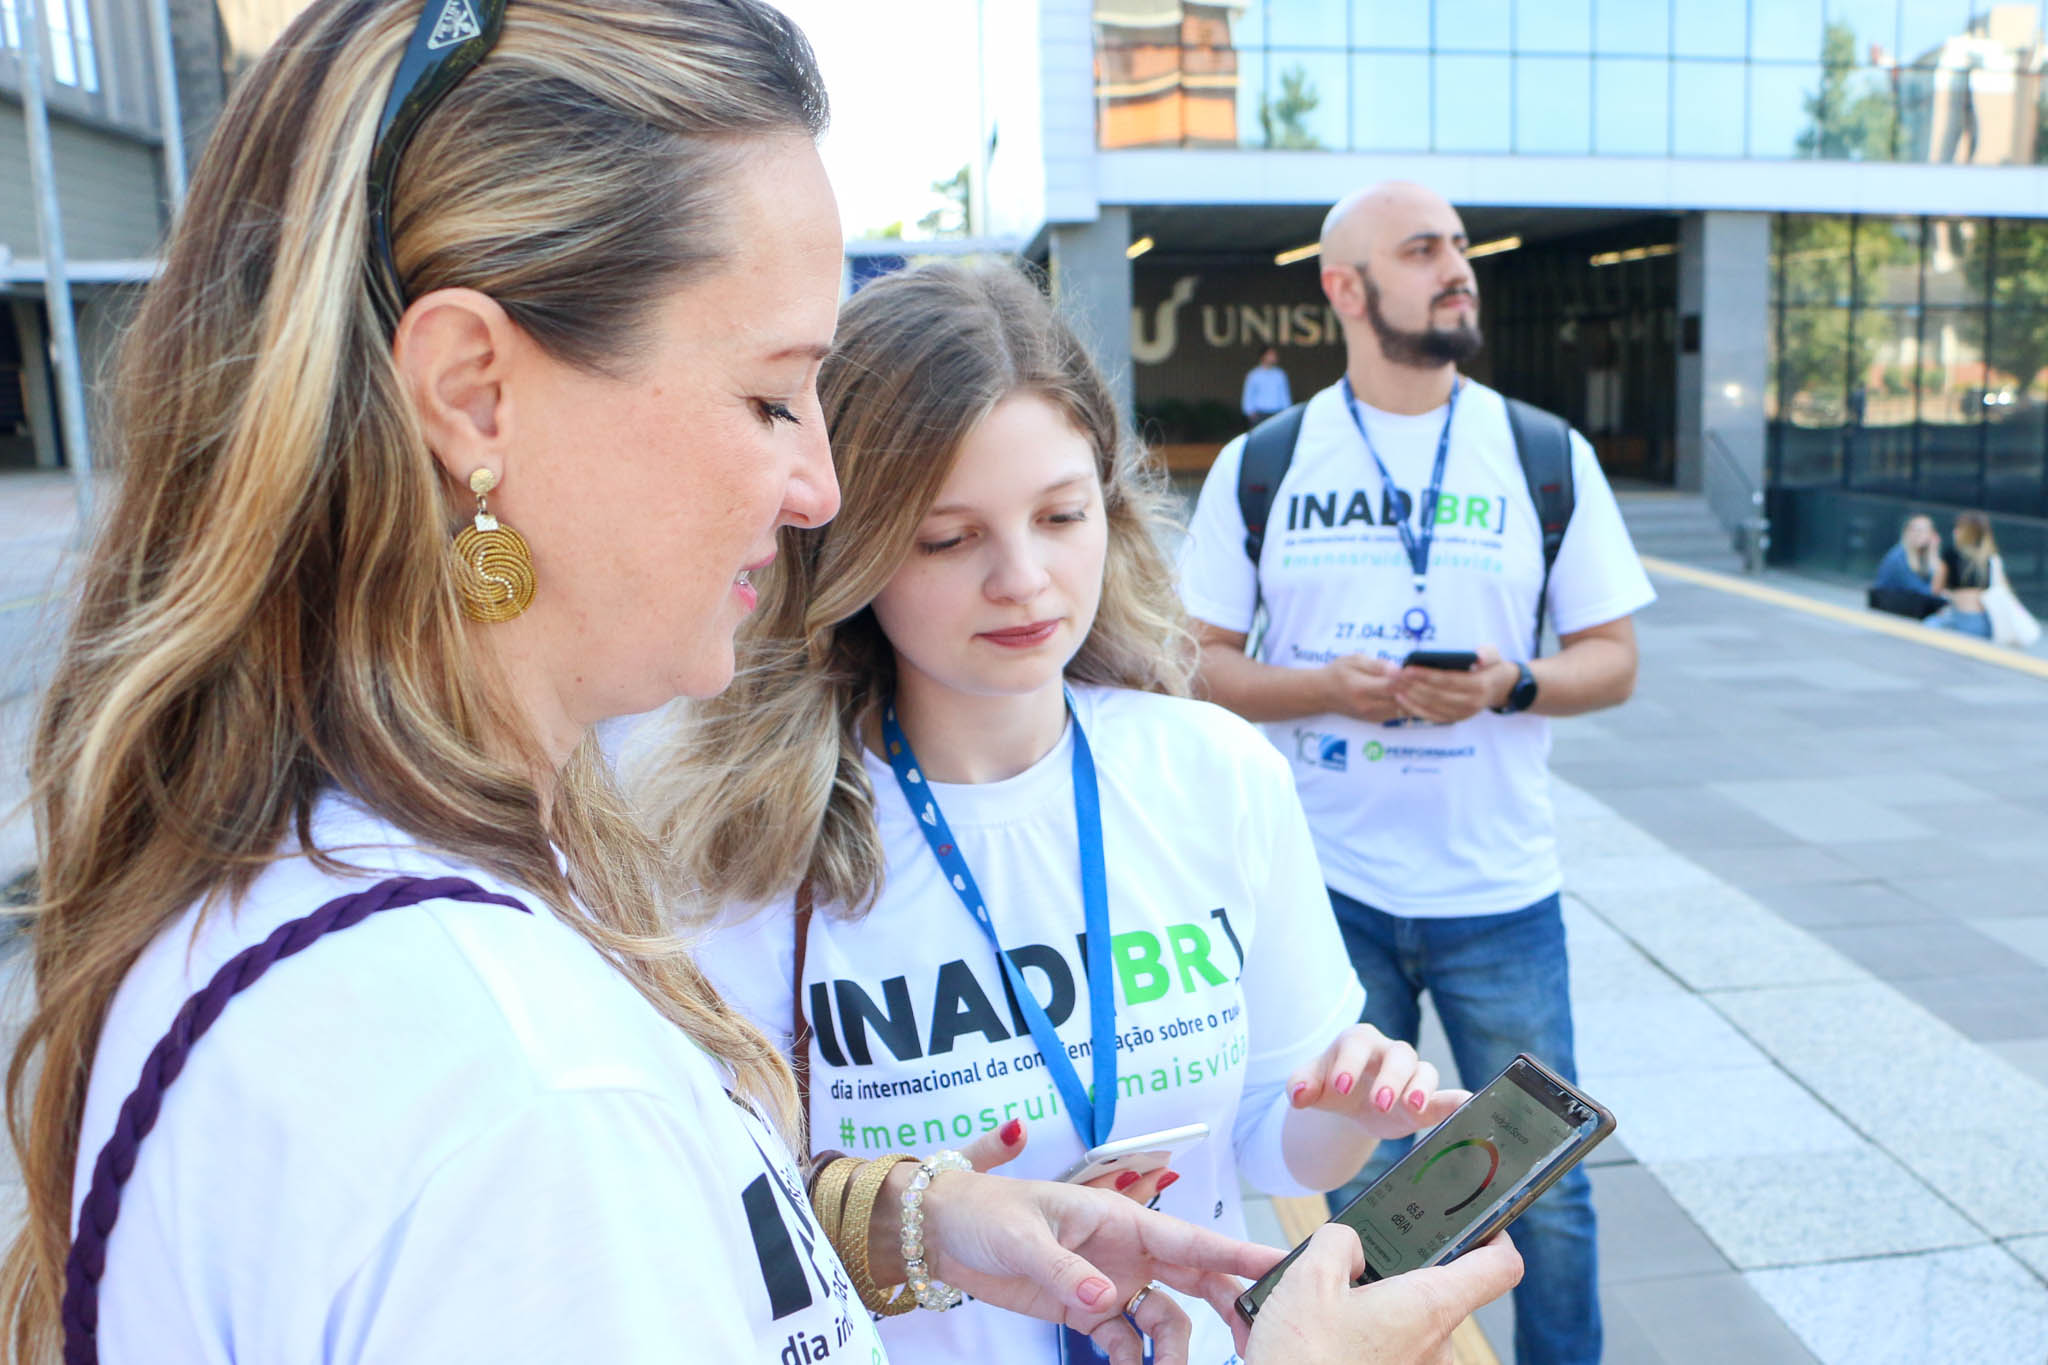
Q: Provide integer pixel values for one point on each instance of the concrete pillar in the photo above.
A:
(27, 321)
(1723, 305)
(1091, 285)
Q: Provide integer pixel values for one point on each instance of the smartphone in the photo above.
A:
(1146, 1152)
(1448, 660)
(1468, 1177)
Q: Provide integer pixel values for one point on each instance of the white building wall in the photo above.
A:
(1012, 71)
(1067, 50)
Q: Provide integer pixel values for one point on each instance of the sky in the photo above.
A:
(902, 82)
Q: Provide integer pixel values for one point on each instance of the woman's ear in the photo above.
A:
(453, 351)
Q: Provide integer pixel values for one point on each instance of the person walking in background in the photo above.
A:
(1265, 388)
(1404, 517)
(1911, 575)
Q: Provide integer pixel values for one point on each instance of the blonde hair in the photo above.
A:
(270, 612)
(1975, 542)
(1920, 558)
(763, 786)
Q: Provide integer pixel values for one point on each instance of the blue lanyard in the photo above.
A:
(1417, 547)
(1092, 1120)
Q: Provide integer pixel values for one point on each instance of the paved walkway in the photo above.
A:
(1807, 896)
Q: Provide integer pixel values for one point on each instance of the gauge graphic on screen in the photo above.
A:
(1492, 1168)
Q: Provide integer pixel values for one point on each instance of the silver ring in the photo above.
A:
(1132, 1304)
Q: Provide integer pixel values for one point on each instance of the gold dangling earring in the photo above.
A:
(494, 569)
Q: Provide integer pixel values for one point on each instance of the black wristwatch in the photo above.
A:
(1522, 695)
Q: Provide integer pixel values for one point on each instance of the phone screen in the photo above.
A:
(1521, 1128)
(1457, 1176)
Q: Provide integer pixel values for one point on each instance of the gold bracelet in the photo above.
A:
(861, 1194)
(828, 1196)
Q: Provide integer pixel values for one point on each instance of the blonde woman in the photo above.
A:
(1970, 564)
(358, 1035)
(961, 738)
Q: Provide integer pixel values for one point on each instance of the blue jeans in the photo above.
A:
(1975, 623)
(1499, 983)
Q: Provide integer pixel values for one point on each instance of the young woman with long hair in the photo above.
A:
(960, 734)
(1969, 560)
(358, 1031)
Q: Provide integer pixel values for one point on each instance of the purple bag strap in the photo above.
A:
(138, 1115)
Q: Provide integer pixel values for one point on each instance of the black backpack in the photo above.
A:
(1543, 443)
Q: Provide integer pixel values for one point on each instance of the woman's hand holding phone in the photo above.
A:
(1316, 1317)
(1377, 1082)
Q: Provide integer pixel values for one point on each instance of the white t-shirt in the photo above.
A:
(1414, 819)
(451, 1132)
(1231, 974)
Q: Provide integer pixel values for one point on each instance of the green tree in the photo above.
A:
(1851, 120)
(1284, 120)
(1821, 294)
(2018, 263)
(950, 218)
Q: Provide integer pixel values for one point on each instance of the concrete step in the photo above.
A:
(1678, 526)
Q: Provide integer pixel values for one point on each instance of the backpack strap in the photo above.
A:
(1268, 451)
(88, 1259)
(1543, 443)
(800, 1031)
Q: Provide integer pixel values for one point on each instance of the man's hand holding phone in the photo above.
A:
(1447, 696)
(1362, 687)
(1316, 1317)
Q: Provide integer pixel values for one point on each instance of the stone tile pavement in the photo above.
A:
(1807, 901)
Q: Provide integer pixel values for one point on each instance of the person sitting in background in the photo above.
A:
(1969, 563)
(1911, 575)
(1265, 388)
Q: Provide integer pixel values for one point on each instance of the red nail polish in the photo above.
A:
(1167, 1179)
(1385, 1099)
(1011, 1132)
(1126, 1180)
(1344, 1084)
(1417, 1099)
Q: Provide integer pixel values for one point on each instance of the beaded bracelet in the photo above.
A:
(936, 1295)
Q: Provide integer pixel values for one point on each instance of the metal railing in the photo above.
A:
(1751, 537)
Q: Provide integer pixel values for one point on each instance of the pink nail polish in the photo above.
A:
(1344, 1085)
(1385, 1099)
(1300, 1089)
(1416, 1099)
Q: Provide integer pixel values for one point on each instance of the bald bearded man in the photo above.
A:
(1405, 521)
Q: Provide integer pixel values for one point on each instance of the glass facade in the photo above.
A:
(1909, 357)
(74, 61)
(1951, 81)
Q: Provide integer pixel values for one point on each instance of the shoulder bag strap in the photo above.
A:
(800, 1031)
(88, 1259)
